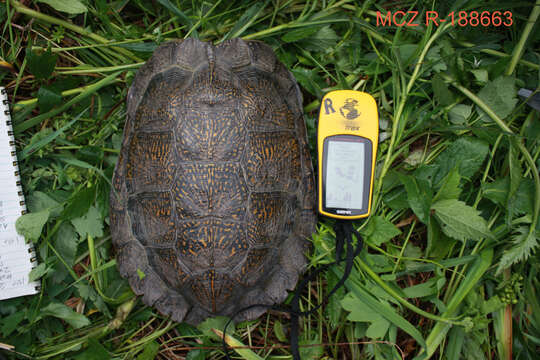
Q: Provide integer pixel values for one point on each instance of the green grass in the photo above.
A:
(450, 267)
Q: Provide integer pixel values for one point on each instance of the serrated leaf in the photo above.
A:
(500, 95)
(65, 313)
(70, 7)
(450, 188)
(89, 224)
(523, 244)
(460, 221)
(31, 225)
(466, 153)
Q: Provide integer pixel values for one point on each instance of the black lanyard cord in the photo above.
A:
(344, 230)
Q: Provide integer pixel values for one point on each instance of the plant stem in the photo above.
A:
(528, 158)
(518, 50)
(401, 300)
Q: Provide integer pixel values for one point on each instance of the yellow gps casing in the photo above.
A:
(351, 117)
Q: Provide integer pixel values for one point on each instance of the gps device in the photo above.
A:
(347, 141)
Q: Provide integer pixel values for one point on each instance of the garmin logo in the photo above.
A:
(346, 212)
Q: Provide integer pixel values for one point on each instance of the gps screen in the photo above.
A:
(345, 174)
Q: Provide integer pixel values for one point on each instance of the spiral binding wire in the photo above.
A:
(20, 193)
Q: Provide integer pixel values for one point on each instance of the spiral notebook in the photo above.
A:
(17, 258)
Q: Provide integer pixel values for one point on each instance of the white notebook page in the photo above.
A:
(17, 257)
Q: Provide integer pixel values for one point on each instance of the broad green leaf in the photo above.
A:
(500, 95)
(358, 310)
(298, 34)
(460, 221)
(217, 322)
(309, 79)
(435, 59)
(30, 225)
(523, 243)
(497, 191)
(70, 6)
(438, 243)
(150, 351)
(377, 329)
(522, 201)
(450, 187)
(79, 203)
(310, 352)
(48, 98)
(65, 313)
(419, 196)
(481, 75)
(466, 153)
(427, 288)
(459, 114)
(94, 351)
(89, 224)
(232, 342)
(396, 198)
(10, 322)
(196, 355)
(379, 308)
(38, 201)
(333, 308)
(440, 90)
(321, 41)
(65, 242)
(40, 65)
(380, 230)
(38, 272)
(279, 332)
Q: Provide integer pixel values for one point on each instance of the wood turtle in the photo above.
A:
(213, 194)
